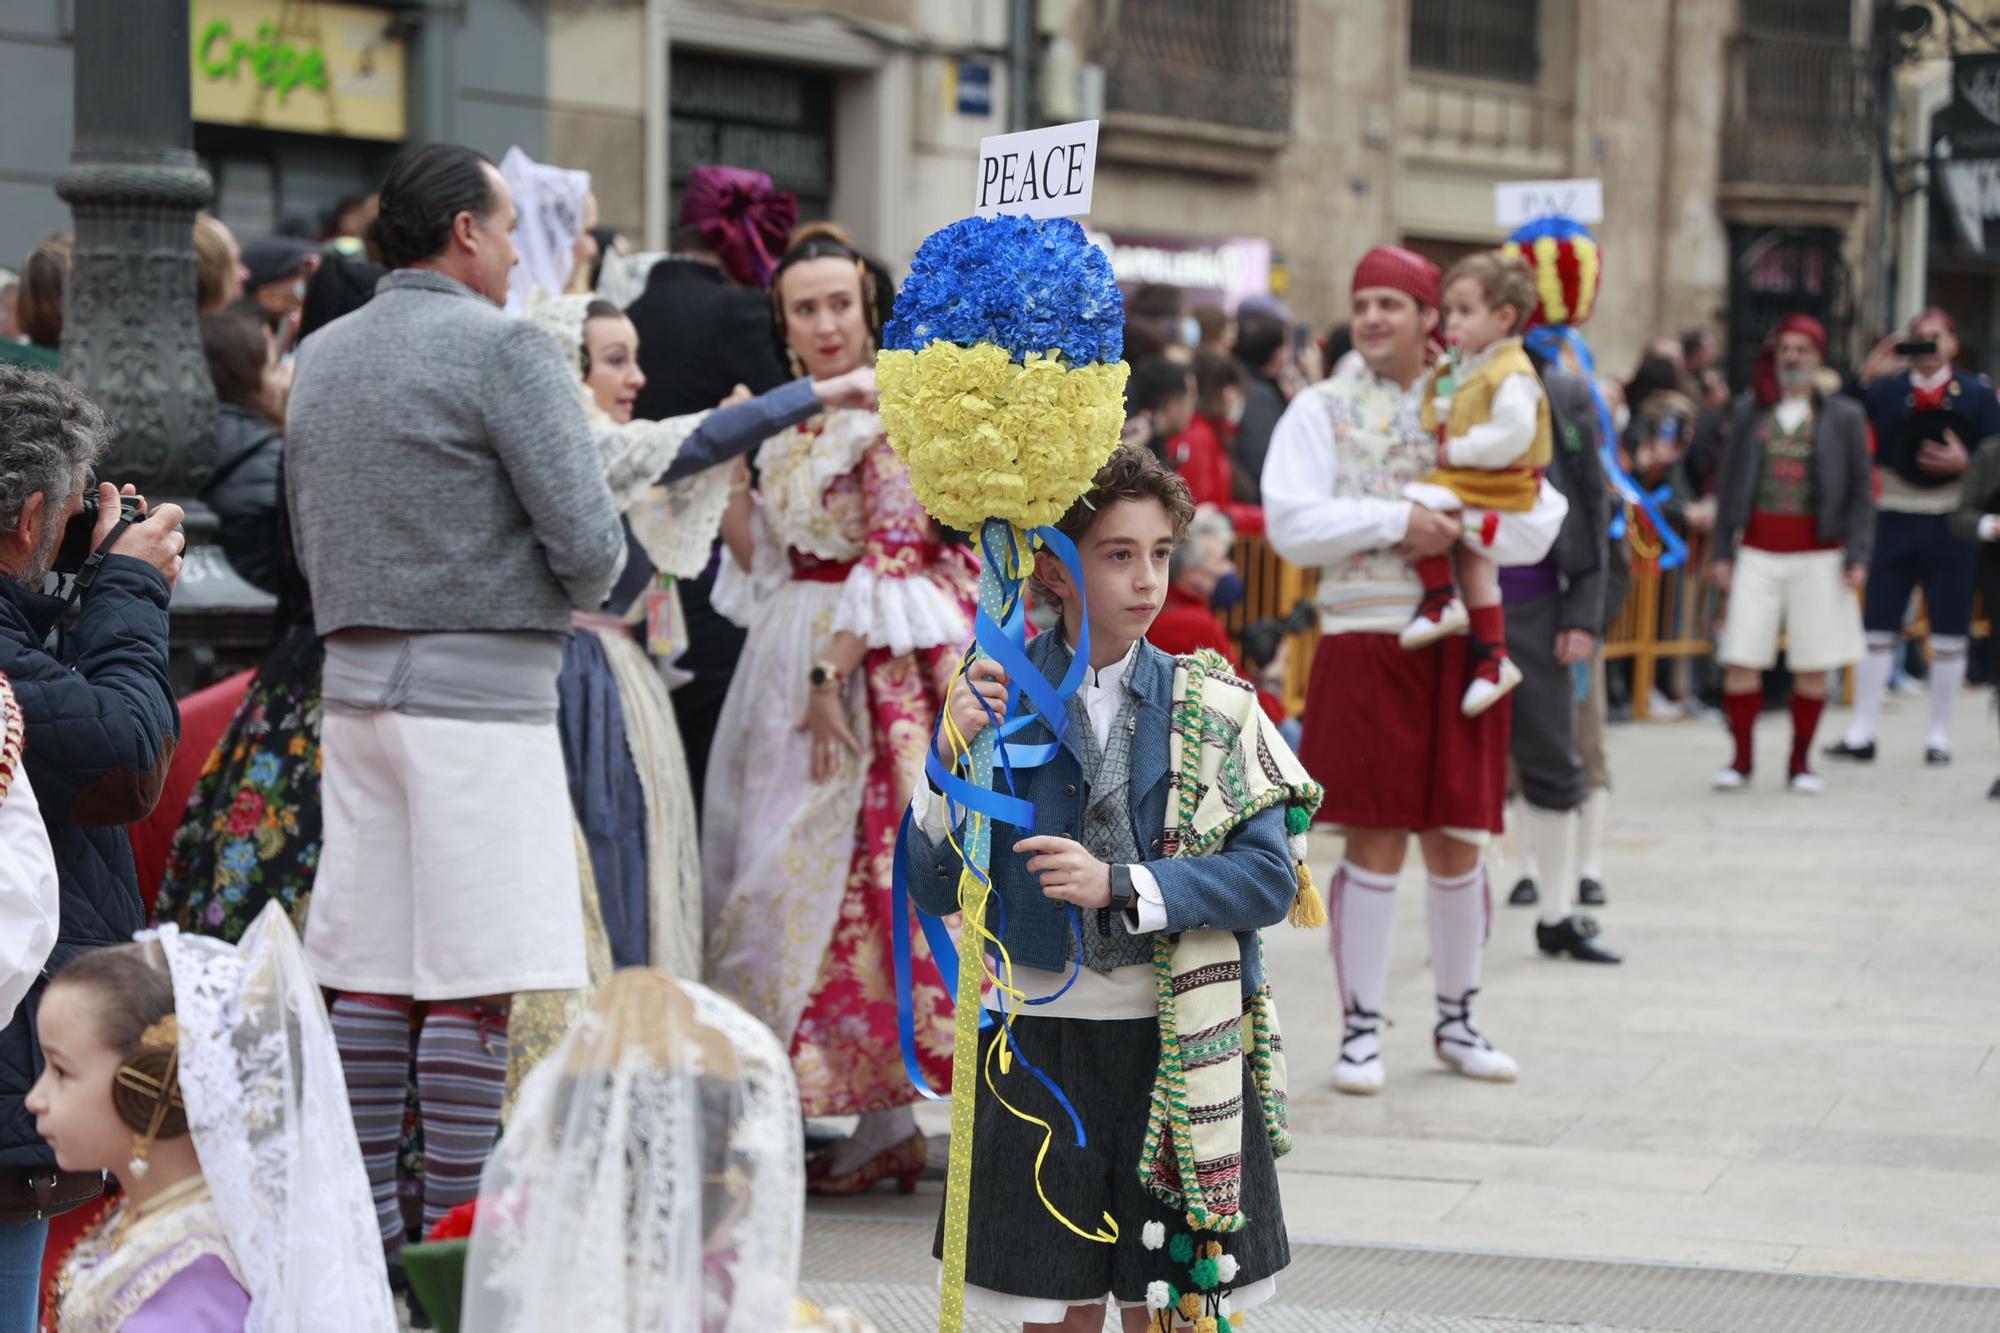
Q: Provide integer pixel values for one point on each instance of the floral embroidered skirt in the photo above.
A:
(251, 834)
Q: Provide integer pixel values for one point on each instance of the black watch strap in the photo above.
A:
(1122, 892)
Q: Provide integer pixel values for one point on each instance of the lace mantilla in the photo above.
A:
(267, 1106)
(651, 1178)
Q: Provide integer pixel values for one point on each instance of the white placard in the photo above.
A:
(1516, 202)
(1043, 173)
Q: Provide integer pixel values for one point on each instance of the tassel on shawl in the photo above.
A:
(1308, 908)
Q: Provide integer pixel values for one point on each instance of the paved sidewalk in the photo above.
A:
(1793, 1072)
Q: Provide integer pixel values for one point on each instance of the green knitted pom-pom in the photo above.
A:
(1181, 1248)
(1222, 1324)
(1298, 819)
(1206, 1274)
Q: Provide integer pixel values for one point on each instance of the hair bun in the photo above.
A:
(807, 232)
(143, 1082)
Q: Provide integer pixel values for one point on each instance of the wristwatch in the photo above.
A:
(1122, 893)
(826, 676)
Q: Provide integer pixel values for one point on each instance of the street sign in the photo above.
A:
(1043, 173)
(1517, 202)
(974, 91)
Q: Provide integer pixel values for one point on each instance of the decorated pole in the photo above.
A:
(1002, 385)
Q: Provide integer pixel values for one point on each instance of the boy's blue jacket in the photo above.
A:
(1246, 885)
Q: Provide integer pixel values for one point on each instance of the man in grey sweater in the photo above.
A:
(449, 507)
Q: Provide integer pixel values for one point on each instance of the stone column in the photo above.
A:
(131, 326)
(131, 339)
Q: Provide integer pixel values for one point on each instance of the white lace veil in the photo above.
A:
(267, 1106)
(651, 1178)
(676, 523)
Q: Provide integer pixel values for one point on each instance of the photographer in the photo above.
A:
(100, 728)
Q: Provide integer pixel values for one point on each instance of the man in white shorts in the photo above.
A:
(450, 507)
(1795, 518)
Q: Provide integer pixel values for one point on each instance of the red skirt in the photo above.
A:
(1384, 736)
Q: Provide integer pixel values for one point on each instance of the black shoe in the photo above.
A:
(1937, 758)
(1525, 893)
(1993, 792)
(1860, 754)
(1590, 893)
(399, 1285)
(1574, 937)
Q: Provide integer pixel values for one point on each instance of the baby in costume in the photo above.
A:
(1486, 404)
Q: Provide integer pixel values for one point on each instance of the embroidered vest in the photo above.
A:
(1107, 831)
(1472, 404)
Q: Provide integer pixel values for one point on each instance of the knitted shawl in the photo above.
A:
(1227, 763)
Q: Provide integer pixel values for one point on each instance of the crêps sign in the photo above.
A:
(1043, 173)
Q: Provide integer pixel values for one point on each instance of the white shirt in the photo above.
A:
(30, 900)
(1791, 411)
(1123, 992)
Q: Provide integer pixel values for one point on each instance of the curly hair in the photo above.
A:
(427, 187)
(1131, 473)
(51, 436)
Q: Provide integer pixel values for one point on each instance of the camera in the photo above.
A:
(1917, 347)
(76, 542)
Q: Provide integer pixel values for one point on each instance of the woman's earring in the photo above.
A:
(139, 1166)
(798, 367)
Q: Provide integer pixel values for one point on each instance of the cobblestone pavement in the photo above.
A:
(1792, 1074)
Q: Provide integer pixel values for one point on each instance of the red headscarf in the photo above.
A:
(1764, 375)
(743, 217)
(1399, 270)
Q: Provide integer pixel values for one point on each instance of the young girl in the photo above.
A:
(1485, 403)
(1129, 863)
(245, 1204)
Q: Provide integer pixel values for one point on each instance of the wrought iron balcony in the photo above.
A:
(1800, 112)
(1218, 62)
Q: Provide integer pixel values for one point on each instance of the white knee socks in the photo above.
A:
(1552, 833)
(1871, 682)
(1364, 914)
(1947, 679)
(1590, 834)
(1458, 913)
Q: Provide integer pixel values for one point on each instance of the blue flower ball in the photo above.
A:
(1025, 284)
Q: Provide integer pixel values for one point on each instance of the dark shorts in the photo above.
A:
(1106, 1069)
(1913, 550)
(1384, 736)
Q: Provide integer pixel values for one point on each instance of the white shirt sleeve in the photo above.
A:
(1148, 911)
(30, 902)
(1305, 523)
(1507, 435)
(928, 808)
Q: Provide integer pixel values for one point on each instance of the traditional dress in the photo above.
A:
(798, 872)
(162, 1266)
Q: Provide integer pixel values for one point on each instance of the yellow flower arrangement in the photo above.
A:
(985, 436)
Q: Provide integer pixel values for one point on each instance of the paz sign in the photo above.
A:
(1519, 202)
(1043, 173)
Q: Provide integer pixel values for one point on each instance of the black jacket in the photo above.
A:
(99, 736)
(700, 337)
(244, 493)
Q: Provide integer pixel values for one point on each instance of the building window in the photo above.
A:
(1483, 39)
(1801, 18)
(1223, 62)
(777, 119)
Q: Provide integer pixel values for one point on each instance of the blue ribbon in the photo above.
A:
(1004, 642)
(1547, 341)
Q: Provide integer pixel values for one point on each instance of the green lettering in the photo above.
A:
(217, 31)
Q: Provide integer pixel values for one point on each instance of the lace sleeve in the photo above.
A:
(889, 600)
(742, 595)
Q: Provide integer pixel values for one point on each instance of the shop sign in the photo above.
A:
(296, 65)
(1967, 148)
(1226, 271)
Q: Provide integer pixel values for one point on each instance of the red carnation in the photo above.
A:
(456, 1224)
